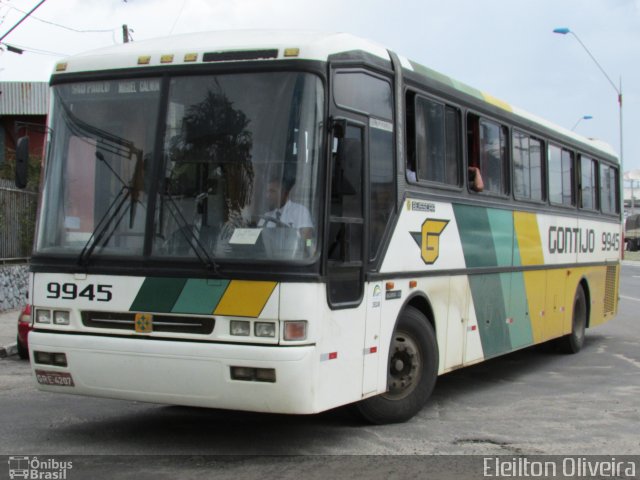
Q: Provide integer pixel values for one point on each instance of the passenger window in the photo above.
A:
(588, 189)
(561, 178)
(527, 167)
(488, 152)
(437, 142)
(609, 189)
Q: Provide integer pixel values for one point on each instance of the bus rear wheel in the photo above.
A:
(412, 372)
(574, 342)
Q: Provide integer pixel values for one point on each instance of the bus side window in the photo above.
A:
(561, 176)
(588, 185)
(609, 189)
(487, 142)
(433, 141)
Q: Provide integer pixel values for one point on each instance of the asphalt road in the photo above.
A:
(531, 402)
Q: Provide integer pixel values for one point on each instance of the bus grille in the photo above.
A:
(161, 323)
(610, 290)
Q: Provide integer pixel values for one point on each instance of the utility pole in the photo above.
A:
(125, 33)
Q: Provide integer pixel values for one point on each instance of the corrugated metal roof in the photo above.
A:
(24, 98)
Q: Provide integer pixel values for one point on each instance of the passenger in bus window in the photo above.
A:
(475, 179)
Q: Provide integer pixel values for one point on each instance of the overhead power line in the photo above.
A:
(37, 51)
(71, 29)
(22, 20)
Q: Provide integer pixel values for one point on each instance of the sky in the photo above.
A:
(503, 47)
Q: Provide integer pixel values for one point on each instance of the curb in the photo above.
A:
(9, 350)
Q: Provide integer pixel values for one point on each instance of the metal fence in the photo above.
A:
(17, 222)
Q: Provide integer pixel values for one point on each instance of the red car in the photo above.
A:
(24, 327)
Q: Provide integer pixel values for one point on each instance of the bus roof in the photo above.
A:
(238, 45)
(191, 48)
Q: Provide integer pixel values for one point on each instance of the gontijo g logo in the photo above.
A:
(428, 239)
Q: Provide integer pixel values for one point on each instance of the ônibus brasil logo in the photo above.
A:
(38, 469)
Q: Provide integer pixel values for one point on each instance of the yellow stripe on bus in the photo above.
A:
(245, 298)
(496, 102)
(530, 249)
(528, 235)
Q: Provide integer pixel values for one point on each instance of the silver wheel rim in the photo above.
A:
(405, 366)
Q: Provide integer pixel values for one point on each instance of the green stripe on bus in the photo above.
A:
(435, 75)
(501, 224)
(489, 303)
(500, 301)
(520, 330)
(158, 294)
(476, 236)
(200, 296)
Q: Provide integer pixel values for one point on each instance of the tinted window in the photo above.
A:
(346, 197)
(364, 93)
(438, 142)
(609, 189)
(493, 156)
(588, 191)
(560, 167)
(382, 190)
(527, 167)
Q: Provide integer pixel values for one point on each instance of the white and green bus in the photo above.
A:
(290, 222)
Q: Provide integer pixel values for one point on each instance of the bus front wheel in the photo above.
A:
(573, 342)
(412, 371)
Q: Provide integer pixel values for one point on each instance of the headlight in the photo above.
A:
(43, 316)
(265, 329)
(240, 327)
(60, 317)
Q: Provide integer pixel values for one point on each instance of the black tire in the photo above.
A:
(574, 342)
(23, 352)
(413, 369)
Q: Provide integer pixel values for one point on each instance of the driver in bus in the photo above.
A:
(284, 212)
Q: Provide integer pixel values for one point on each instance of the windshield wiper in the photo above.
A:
(100, 232)
(103, 231)
(189, 235)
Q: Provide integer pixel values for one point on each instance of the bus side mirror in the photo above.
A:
(22, 162)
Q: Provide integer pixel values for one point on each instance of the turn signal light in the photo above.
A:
(296, 330)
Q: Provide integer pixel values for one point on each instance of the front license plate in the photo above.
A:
(60, 379)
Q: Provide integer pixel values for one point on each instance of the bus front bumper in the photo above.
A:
(177, 372)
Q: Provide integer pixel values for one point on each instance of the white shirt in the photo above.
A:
(293, 214)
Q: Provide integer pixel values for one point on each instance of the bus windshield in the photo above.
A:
(236, 177)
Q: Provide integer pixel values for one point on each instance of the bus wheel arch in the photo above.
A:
(580, 319)
(412, 370)
(420, 302)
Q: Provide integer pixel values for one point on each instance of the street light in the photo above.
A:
(584, 117)
(618, 89)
